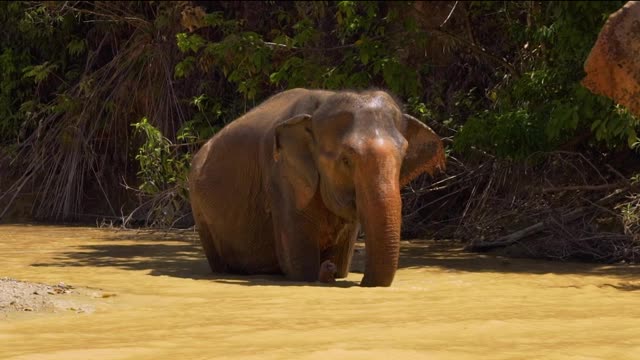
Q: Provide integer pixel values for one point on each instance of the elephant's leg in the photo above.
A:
(299, 257)
(213, 257)
(341, 252)
(297, 246)
(206, 239)
(303, 246)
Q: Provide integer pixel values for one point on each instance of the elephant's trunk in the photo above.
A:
(380, 212)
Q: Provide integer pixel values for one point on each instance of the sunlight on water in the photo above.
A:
(159, 301)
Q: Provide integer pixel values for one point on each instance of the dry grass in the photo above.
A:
(562, 206)
(79, 153)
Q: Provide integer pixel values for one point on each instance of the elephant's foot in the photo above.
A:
(327, 273)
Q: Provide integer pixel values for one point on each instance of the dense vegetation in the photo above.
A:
(103, 103)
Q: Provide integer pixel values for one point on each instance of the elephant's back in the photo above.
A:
(280, 107)
(239, 152)
(243, 148)
(225, 168)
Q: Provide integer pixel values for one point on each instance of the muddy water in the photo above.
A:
(444, 304)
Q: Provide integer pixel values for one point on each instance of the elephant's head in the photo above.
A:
(358, 150)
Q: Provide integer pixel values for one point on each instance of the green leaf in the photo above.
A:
(632, 138)
(77, 46)
(39, 72)
(364, 57)
(185, 67)
(186, 42)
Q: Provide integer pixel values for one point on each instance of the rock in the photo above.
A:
(16, 296)
(613, 66)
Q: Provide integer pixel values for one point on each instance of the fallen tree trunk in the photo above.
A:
(521, 234)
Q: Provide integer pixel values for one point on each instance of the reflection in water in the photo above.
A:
(444, 304)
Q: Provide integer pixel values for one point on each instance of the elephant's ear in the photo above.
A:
(425, 152)
(293, 151)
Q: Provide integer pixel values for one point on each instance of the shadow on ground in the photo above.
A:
(162, 254)
(180, 255)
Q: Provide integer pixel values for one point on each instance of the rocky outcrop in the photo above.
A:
(613, 66)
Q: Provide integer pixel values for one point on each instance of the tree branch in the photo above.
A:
(582, 187)
(449, 16)
(471, 46)
(540, 226)
(478, 50)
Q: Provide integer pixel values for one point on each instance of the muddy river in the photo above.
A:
(155, 299)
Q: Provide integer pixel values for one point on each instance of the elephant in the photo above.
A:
(613, 65)
(285, 188)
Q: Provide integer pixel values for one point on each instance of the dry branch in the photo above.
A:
(541, 226)
(583, 187)
(521, 234)
(497, 203)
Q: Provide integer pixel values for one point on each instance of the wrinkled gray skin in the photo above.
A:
(286, 187)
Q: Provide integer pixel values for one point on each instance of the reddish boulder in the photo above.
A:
(613, 66)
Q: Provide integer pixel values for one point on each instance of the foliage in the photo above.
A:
(158, 169)
(41, 53)
(163, 171)
(546, 106)
(76, 78)
(296, 52)
(78, 148)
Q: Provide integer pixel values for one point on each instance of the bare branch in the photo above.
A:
(582, 187)
(472, 46)
(450, 13)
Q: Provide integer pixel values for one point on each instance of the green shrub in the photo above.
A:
(546, 106)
